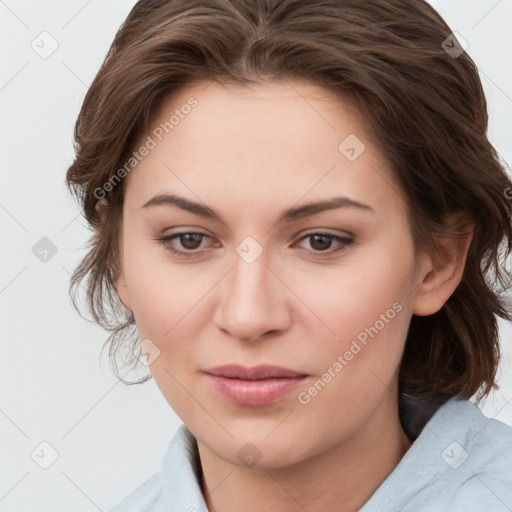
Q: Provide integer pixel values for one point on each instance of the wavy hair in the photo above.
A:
(421, 99)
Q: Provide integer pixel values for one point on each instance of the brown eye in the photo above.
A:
(188, 243)
(320, 243)
(190, 240)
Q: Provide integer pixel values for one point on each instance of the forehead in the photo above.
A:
(279, 141)
(290, 114)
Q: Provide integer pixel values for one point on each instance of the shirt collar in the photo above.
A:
(181, 465)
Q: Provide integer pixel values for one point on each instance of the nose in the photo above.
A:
(254, 301)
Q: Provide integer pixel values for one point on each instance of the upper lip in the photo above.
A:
(263, 371)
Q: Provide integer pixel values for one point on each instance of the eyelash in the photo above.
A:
(165, 241)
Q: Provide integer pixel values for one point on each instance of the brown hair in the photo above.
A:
(424, 105)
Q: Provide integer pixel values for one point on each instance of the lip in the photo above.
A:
(257, 386)
(262, 371)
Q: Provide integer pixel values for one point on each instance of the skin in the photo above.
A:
(248, 153)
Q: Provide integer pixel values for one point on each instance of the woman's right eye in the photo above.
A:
(187, 240)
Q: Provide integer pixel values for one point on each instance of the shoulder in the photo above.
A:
(147, 497)
(474, 452)
(175, 486)
(460, 462)
(487, 441)
(487, 451)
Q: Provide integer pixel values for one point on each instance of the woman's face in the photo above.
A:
(256, 286)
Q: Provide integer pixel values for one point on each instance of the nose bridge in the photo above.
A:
(249, 281)
(252, 301)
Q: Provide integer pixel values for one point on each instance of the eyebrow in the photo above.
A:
(287, 215)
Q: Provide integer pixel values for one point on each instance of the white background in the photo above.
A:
(110, 437)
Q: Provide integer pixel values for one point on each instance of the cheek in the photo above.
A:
(357, 296)
(364, 309)
(163, 295)
(357, 364)
(367, 338)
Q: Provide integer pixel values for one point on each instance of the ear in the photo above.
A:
(441, 275)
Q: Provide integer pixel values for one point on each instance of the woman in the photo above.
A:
(299, 226)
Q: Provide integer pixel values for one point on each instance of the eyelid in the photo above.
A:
(326, 231)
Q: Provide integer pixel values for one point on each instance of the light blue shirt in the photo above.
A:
(460, 461)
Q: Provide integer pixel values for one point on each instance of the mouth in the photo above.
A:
(257, 386)
(263, 371)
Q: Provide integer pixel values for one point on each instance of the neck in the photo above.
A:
(341, 478)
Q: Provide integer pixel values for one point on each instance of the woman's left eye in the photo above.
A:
(191, 241)
(323, 241)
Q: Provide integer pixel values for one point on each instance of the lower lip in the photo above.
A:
(255, 392)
